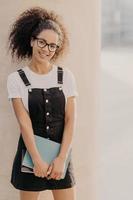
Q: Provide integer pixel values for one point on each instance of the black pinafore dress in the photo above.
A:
(47, 114)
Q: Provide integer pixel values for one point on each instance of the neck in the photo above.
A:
(40, 68)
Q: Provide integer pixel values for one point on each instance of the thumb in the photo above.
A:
(49, 169)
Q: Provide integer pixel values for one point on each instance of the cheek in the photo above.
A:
(35, 54)
(34, 51)
(51, 55)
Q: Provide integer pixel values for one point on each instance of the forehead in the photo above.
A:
(49, 35)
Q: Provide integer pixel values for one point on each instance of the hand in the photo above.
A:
(40, 168)
(56, 168)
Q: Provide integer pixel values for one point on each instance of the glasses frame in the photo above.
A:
(46, 44)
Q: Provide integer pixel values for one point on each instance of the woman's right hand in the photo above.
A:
(40, 168)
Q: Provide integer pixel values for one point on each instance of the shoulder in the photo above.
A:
(13, 77)
(69, 77)
(68, 74)
(66, 70)
(15, 73)
(70, 86)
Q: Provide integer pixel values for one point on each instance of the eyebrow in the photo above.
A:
(46, 40)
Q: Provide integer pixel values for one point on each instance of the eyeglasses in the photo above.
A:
(42, 43)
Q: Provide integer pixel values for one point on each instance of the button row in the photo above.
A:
(47, 113)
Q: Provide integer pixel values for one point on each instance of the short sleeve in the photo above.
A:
(13, 87)
(71, 86)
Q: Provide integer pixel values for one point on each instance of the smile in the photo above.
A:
(43, 55)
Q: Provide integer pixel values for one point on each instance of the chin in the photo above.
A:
(42, 60)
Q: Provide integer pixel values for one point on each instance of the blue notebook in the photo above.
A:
(48, 150)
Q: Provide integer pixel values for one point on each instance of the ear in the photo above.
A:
(32, 42)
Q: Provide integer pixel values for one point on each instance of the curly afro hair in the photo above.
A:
(28, 25)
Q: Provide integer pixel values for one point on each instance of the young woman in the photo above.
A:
(42, 95)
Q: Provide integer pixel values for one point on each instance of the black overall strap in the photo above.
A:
(60, 75)
(24, 78)
(27, 83)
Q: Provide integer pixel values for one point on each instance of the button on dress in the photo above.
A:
(47, 114)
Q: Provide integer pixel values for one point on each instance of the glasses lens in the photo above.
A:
(41, 43)
(52, 47)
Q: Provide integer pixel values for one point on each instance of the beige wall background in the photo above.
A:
(82, 19)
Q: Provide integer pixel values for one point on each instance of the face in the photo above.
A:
(42, 52)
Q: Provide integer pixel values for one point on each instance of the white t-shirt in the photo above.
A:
(16, 87)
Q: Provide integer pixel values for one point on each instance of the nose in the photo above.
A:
(46, 47)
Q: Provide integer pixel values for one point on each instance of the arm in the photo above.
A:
(25, 127)
(25, 124)
(40, 167)
(70, 119)
(70, 116)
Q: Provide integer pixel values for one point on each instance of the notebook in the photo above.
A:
(48, 150)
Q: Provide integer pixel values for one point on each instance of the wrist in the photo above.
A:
(36, 158)
(62, 157)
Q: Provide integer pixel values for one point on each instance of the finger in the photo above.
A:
(55, 175)
(38, 173)
(51, 175)
(41, 175)
(48, 177)
(44, 173)
(51, 166)
(35, 172)
(60, 175)
(49, 169)
(57, 178)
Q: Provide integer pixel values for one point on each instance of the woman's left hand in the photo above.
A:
(57, 168)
